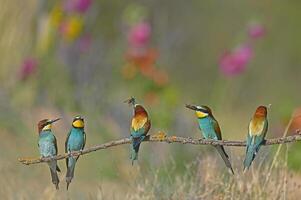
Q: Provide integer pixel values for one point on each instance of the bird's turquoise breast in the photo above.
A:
(76, 139)
(207, 128)
(47, 144)
(137, 133)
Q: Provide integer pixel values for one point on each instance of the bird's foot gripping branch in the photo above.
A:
(161, 137)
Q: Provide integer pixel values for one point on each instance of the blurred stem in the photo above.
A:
(219, 93)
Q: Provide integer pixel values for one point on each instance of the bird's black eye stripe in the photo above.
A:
(202, 110)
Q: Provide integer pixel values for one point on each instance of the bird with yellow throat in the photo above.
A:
(257, 130)
(210, 129)
(48, 147)
(75, 141)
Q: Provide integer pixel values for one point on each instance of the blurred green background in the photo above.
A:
(70, 57)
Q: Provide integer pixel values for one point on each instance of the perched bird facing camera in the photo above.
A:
(75, 141)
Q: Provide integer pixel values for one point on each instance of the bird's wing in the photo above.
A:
(66, 147)
(248, 141)
(216, 129)
(84, 140)
(147, 127)
(55, 145)
(66, 142)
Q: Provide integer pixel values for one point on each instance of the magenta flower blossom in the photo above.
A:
(80, 6)
(139, 34)
(28, 67)
(256, 31)
(83, 5)
(234, 63)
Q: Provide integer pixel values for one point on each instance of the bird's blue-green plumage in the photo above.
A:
(47, 144)
(207, 127)
(253, 145)
(211, 130)
(137, 137)
(48, 148)
(75, 141)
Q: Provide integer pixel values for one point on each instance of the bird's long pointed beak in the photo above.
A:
(192, 107)
(54, 120)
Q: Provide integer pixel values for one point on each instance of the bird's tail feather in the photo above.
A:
(70, 171)
(135, 147)
(224, 156)
(53, 171)
(250, 156)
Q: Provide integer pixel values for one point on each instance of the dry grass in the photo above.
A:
(204, 179)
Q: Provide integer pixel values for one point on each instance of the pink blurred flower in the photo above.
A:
(80, 6)
(139, 34)
(83, 5)
(256, 31)
(28, 67)
(234, 63)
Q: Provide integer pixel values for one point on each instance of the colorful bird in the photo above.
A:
(48, 147)
(75, 141)
(258, 128)
(210, 129)
(140, 126)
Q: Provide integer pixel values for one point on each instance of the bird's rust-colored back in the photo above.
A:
(41, 124)
(140, 119)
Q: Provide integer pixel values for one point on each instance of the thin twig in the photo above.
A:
(161, 137)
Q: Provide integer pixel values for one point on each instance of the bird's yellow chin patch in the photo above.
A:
(78, 123)
(47, 127)
(200, 114)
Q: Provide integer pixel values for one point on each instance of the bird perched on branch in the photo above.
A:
(140, 126)
(210, 129)
(75, 141)
(48, 147)
(258, 128)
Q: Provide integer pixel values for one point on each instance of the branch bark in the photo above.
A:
(161, 137)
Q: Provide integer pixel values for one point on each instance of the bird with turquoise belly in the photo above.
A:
(48, 147)
(210, 129)
(75, 141)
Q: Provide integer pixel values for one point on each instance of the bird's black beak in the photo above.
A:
(130, 101)
(192, 107)
(54, 120)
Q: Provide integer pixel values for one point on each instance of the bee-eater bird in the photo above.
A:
(48, 147)
(258, 128)
(140, 126)
(75, 141)
(210, 129)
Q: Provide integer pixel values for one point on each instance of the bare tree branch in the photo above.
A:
(161, 137)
